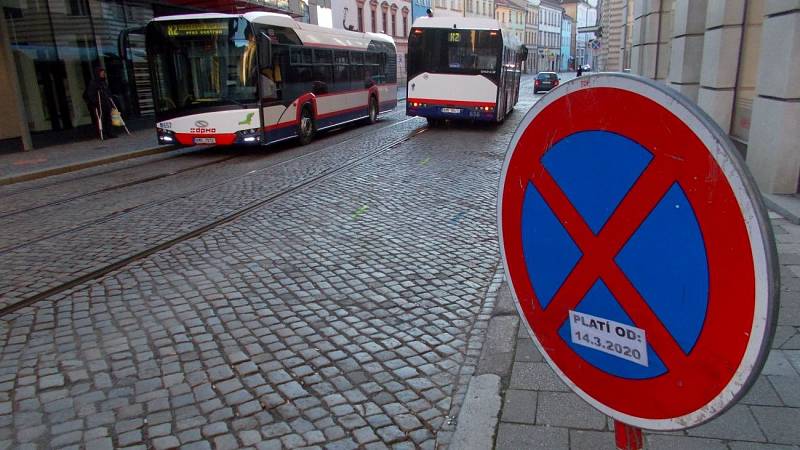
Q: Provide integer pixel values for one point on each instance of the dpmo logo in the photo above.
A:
(201, 127)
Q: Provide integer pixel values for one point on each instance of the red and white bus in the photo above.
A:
(259, 78)
(462, 68)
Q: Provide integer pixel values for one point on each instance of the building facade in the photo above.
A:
(531, 36)
(479, 8)
(511, 14)
(448, 8)
(392, 17)
(585, 14)
(549, 51)
(51, 48)
(616, 21)
(739, 61)
(567, 60)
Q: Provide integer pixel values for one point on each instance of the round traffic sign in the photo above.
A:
(638, 250)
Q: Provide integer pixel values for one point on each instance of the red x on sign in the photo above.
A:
(638, 251)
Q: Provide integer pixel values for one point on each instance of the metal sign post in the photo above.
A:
(628, 437)
(639, 252)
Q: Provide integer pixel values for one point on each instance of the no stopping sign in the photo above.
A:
(638, 251)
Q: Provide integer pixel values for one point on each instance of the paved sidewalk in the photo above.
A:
(57, 159)
(540, 412)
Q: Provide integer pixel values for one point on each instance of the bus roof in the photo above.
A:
(308, 34)
(464, 23)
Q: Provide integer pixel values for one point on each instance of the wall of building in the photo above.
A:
(612, 54)
(566, 37)
(550, 16)
(511, 16)
(531, 36)
(448, 8)
(479, 8)
(10, 126)
(739, 60)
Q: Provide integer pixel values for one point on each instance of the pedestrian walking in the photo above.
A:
(98, 99)
(580, 70)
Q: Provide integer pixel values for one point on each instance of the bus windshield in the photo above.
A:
(454, 51)
(199, 64)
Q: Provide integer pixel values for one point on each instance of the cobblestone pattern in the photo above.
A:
(42, 222)
(23, 196)
(539, 411)
(40, 266)
(340, 316)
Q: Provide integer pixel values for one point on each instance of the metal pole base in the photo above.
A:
(628, 437)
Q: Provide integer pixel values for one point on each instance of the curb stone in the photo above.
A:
(59, 170)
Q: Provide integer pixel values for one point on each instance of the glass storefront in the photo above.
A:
(57, 44)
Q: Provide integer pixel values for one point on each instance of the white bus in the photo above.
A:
(259, 78)
(462, 68)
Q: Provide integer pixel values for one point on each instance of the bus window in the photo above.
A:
(321, 78)
(341, 73)
(323, 56)
(357, 57)
(357, 76)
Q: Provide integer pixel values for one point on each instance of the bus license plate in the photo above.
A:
(451, 110)
(205, 140)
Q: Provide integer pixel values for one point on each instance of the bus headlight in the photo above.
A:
(165, 136)
(251, 136)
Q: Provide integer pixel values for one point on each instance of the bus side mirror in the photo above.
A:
(264, 51)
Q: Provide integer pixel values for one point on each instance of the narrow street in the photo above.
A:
(328, 295)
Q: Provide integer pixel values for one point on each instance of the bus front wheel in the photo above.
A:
(305, 129)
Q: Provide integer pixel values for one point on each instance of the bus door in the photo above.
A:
(273, 61)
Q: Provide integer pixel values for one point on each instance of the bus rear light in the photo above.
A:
(417, 31)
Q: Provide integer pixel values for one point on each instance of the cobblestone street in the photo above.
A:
(343, 310)
(347, 294)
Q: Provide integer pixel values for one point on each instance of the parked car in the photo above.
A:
(545, 81)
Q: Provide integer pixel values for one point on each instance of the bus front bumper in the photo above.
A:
(460, 112)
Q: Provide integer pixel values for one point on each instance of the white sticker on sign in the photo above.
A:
(617, 339)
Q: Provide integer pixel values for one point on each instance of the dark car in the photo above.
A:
(545, 81)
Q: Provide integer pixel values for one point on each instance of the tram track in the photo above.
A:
(119, 186)
(128, 166)
(199, 150)
(332, 138)
(108, 268)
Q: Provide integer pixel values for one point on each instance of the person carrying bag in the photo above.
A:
(98, 99)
